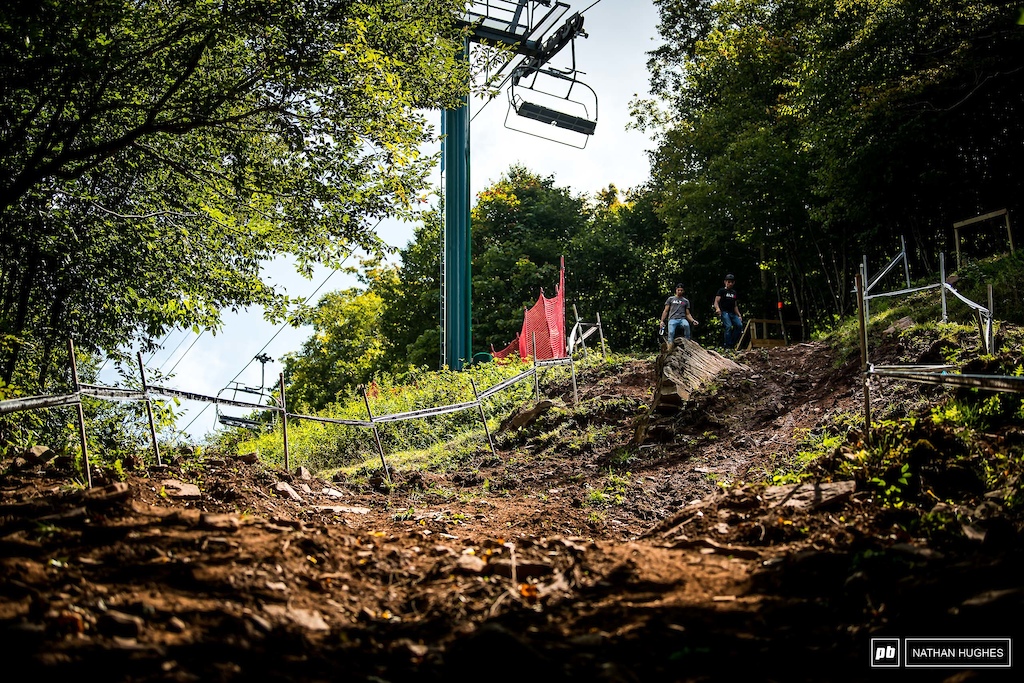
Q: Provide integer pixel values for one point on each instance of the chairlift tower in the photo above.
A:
(530, 28)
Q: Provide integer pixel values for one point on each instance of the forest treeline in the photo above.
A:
(793, 140)
(157, 153)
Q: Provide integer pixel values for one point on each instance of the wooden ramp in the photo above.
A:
(681, 369)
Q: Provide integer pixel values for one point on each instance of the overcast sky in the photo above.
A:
(612, 59)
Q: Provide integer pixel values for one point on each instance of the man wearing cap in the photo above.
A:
(727, 306)
(677, 314)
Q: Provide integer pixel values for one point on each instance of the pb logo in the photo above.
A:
(885, 652)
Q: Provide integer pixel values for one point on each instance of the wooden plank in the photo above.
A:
(757, 343)
(978, 219)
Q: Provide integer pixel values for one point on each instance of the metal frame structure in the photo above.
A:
(978, 219)
(237, 388)
(525, 27)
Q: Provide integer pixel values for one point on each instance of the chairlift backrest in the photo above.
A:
(236, 388)
(547, 96)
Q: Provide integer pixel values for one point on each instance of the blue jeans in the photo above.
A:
(733, 329)
(673, 328)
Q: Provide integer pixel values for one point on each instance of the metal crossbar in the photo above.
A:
(14, 405)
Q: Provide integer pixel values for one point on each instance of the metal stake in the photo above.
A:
(149, 410)
(536, 381)
(864, 359)
(81, 414)
(284, 423)
(483, 417)
(376, 435)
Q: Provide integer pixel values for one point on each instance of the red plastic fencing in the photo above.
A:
(546, 320)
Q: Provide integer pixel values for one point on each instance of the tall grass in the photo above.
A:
(327, 447)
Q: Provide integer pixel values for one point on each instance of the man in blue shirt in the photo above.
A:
(677, 315)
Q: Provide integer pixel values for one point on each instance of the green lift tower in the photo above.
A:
(526, 27)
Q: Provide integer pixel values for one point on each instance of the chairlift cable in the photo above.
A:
(287, 321)
(161, 345)
(171, 354)
(200, 336)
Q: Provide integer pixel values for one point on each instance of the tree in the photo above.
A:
(411, 320)
(622, 237)
(344, 351)
(522, 226)
(797, 136)
(156, 153)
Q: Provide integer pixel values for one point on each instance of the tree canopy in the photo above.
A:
(156, 153)
(797, 136)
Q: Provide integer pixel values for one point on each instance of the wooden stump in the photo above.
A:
(681, 369)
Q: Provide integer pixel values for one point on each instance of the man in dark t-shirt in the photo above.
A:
(727, 306)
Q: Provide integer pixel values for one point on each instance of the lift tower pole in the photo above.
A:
(520, 25)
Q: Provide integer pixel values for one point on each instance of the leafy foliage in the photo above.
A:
(329, 447)
(795, 137)
(522, 225)
(156, 153)
(347, 346)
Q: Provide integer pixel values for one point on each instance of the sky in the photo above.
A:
(612, 60)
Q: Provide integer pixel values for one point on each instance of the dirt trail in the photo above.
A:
(580, 560)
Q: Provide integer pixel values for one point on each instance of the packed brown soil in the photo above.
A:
(565, 556)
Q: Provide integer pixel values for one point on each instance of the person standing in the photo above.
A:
(727, 306)
(676, 315)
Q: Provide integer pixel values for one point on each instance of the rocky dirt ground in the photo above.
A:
(565, 556)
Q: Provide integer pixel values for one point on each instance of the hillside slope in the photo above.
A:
(577, 552)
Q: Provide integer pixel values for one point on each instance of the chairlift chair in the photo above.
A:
(556, 101)
(260, 396)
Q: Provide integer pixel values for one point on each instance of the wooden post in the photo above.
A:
(1009, 232)
(81, 414)
(483, 417)
(864, 359)
(284, 425)
(600, 333)
(580, 323)
(376, 435)
(990, 333)
(536, 381)
(149, 410)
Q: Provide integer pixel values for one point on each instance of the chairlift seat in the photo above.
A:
(241, 422)
(557, 118)
(236, 388)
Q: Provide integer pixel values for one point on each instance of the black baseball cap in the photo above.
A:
(679, 285)
(730, 276)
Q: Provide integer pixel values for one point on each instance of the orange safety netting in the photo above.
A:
(545, 323)
(508, 350)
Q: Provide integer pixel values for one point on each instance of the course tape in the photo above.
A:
(14, 405)
(990, 382)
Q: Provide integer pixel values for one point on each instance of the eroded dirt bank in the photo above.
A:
(603, 560)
